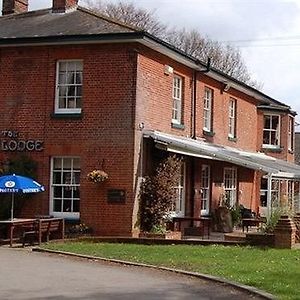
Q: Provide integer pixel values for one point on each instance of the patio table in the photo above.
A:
(205, 223)
(12, 224)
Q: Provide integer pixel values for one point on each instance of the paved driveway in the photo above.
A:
(31, 275)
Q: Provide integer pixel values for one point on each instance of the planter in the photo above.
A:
(170, 235)
(260, 239)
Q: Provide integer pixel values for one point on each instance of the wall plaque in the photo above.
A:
(116, 196)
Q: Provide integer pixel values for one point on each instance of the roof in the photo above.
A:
(82, 25)
(199, 148)
(44, 23)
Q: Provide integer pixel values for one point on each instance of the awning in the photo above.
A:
(199, 148)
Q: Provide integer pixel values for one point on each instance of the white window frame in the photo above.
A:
(177, 99)
(180, 190)
(291, 133)
(232, 118)
(61, 214)
(270, 131)
(207, 109)
(230, 185)
(291, 194)
(65, 110)
(205, 189)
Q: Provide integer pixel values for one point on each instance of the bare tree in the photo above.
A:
(129, 14)
(225, 58)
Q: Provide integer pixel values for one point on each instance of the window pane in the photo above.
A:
(267, 120)
(67, 206)
(275, 122)
(57, 192)
(57, 205)
(76, 206)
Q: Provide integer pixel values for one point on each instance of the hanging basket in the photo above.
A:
(97, 176)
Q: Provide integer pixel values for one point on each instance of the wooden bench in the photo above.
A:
(43, 229)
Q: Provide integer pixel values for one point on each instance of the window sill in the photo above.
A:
(272, 149)
(232, 139)
(177, 126)
(74, 116)
(208, 133)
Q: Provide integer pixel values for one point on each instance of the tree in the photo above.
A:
(224, 57)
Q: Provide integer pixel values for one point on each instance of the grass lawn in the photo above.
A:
(273, 270)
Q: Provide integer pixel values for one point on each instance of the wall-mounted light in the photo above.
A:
(168, 70)
(226, 86)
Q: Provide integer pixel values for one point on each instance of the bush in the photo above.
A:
(158, 195)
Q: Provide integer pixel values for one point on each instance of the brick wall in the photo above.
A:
(103, 138)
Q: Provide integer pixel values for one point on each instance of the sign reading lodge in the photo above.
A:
(10, 141)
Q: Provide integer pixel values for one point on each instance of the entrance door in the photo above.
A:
(205, 189)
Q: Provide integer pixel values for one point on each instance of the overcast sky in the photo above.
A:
(267, 31)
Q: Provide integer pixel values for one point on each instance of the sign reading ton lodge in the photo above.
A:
(11, 141)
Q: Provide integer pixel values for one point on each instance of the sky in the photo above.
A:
(266, 31)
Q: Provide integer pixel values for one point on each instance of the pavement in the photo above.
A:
(33, 275)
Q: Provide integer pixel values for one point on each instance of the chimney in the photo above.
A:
(61, 6)
(14, 7)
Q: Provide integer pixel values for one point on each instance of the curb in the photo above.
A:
(246, 288)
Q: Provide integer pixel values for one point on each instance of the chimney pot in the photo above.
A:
(14, 7)
(61, 6)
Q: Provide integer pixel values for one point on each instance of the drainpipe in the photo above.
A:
(269, 198)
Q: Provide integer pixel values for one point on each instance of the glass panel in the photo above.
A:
(62, 78)
(267, 120)
(67, 178)
(63, 66)
(62, 102)
(76, 206)
(275, 122)
(67, 163)
(62, 91)
(57, 205)
(57, 191)
(76, 178)
(266, 137)
(57, 163)
(76, 192)
(57, 177)
(71, 102)
(67, 192)
(71, 91)
(76, 163)
(67, 206)
(78, 102)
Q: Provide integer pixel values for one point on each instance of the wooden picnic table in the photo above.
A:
(15, 223)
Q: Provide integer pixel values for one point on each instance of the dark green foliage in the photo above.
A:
(158, 194)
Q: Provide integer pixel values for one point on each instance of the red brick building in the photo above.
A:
(81, 92)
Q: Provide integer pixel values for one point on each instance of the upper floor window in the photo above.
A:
(291, 134)
(232, 118)
(207, 109)
(68, 86)
(177, 99)
(271, 131)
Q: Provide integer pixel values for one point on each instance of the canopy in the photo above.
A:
(199, 148)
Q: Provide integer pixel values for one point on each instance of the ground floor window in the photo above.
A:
(180, 190)
(205, 189)
(230, 185)
(275, 192)
(65, 186)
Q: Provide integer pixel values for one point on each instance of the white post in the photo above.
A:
(269, 196)
(12, 207)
